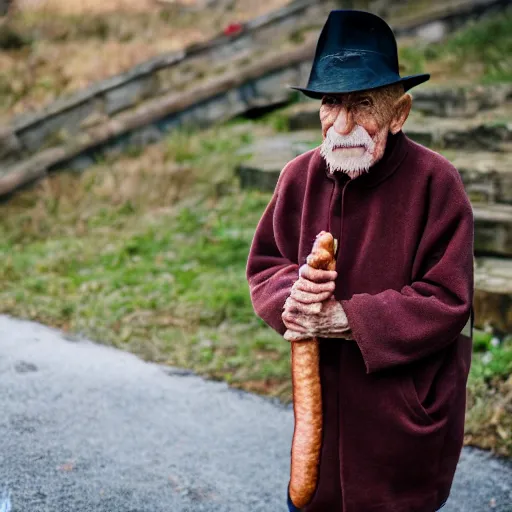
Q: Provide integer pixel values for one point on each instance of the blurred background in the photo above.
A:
(140, 142)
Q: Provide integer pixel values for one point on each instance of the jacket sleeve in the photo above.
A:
(399, 327)
(270, 272)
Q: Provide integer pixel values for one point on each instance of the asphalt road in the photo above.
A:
(87, 428)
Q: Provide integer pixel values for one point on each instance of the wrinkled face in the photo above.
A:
(355, 127)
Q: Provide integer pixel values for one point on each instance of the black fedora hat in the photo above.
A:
(356, 51)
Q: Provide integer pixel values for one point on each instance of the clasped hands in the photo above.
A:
(311, 310)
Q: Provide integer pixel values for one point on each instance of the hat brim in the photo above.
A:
(408, 82)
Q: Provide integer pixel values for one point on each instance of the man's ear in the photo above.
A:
(402, 108)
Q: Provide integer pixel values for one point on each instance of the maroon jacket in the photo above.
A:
(394, 398)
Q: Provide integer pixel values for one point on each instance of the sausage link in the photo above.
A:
(307, 395)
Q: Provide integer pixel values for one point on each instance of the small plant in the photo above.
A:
(412, 60)
(493, 363)
(297, 36)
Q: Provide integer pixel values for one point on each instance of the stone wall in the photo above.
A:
(223, 98)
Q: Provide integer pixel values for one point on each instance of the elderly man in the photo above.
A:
(394, 319)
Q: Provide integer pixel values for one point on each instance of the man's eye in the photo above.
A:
(365, 103)
(329, 100)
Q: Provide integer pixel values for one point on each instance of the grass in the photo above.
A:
(489, 416)
(481, 51)
(170, 288)
(48, 54)
(81, 6)
(148, 252)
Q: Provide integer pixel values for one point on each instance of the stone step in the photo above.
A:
(282, 144)
(266, 157)
(493, 229)
(487, 176)
(460, 101)
(303, 116)
(458, 134)
(493, 294)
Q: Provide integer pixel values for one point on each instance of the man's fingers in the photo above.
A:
(310, 298)
(294, 321)
(311, 287)
(290, 335)
(293, 305)
(317, 275)
(296, 328)
(293, 326)
(299, 321)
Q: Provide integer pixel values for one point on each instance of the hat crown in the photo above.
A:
(356, 51)
(349, 31)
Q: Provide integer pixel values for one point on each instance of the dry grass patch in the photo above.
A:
(86, 6)
(60, 50)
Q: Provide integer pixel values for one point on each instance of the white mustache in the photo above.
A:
(357, 137)
(353, 166)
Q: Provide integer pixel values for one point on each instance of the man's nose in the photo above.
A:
(344, 122)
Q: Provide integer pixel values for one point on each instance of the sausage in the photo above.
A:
(307, 395)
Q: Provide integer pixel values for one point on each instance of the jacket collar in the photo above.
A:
(396, 150)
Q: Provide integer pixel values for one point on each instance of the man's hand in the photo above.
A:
(312, 288)
(310, 310)
(330, 322)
